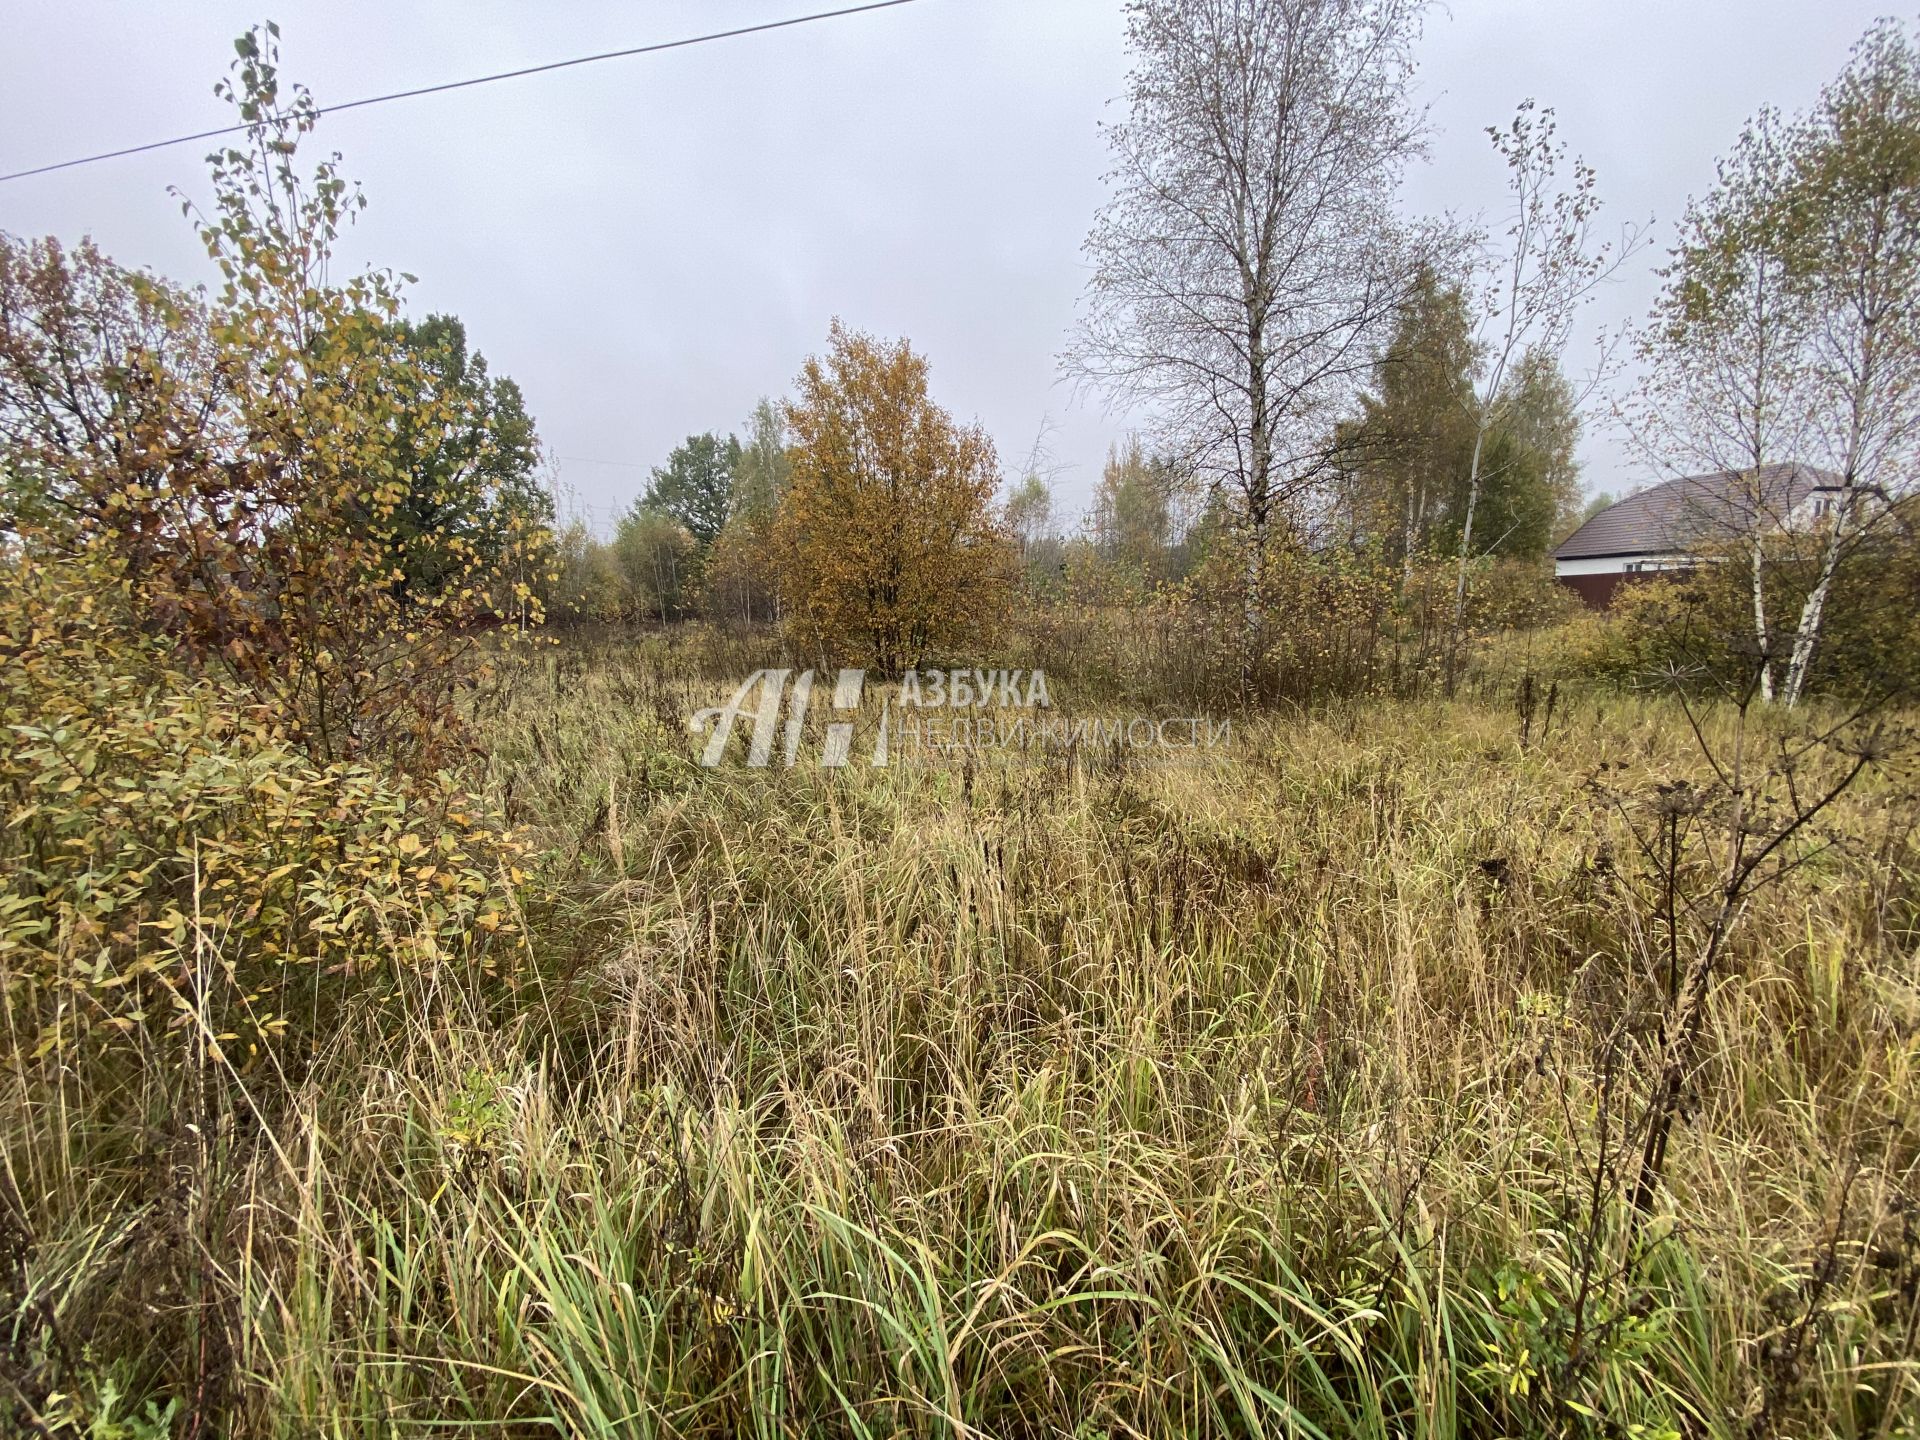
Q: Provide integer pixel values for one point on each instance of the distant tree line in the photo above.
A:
(1363, 430)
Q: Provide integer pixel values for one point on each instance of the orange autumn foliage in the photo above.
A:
(887, 546)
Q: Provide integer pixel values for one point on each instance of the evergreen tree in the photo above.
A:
(1407, 454)
(1409, 465)
(695, 487)
(475, 482)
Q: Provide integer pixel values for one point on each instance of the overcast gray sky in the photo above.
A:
(649, 245)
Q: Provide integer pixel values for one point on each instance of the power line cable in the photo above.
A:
(476, 80)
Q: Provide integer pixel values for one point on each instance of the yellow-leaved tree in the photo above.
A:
(886, 546)
(253, 545)
(305, 493)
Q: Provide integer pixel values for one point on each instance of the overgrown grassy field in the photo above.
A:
(1285, 1090)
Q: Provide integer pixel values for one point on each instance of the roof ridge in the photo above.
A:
(1650, 520)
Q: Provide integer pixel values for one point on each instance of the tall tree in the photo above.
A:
(1404, 453)
(1789, 330)
(1133, 511)
(655, 561)
(1547, 264)
(1412, 483)
(244, 459)
(1029, 517)
(1530, 477)
(695, 486)
(1030, 512)
(887, 542)
(760, 465)
(478, 480)
(739, 570)
(1724, 359)
(1251, 255)
(1854, 216)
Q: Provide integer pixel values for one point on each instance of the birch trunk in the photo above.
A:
(1762, 638)
(1466, 554)
(1807, 636)
(1415, 504)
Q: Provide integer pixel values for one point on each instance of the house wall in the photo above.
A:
(1597, 581)
(1595, 591)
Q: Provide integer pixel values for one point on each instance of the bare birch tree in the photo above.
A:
(1853, 221)
(1535, 279)
(1725, 378)
(1250, 257)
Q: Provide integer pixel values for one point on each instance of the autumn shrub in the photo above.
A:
(193, 909)
(301, 490)
(1517, 594)
(175, 864)
(1328, 623)
(253, 544)
(254, 550)
(1697, 627)
(1632, 640)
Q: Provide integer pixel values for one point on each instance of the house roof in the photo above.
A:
(1674, 516)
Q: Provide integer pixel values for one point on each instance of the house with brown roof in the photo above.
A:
(1669, 527)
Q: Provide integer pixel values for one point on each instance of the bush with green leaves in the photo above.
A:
(173, 861)
(1697, 626)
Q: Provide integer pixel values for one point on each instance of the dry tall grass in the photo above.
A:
(1278, 1093)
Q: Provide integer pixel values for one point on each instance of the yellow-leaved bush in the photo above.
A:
(171, 860)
